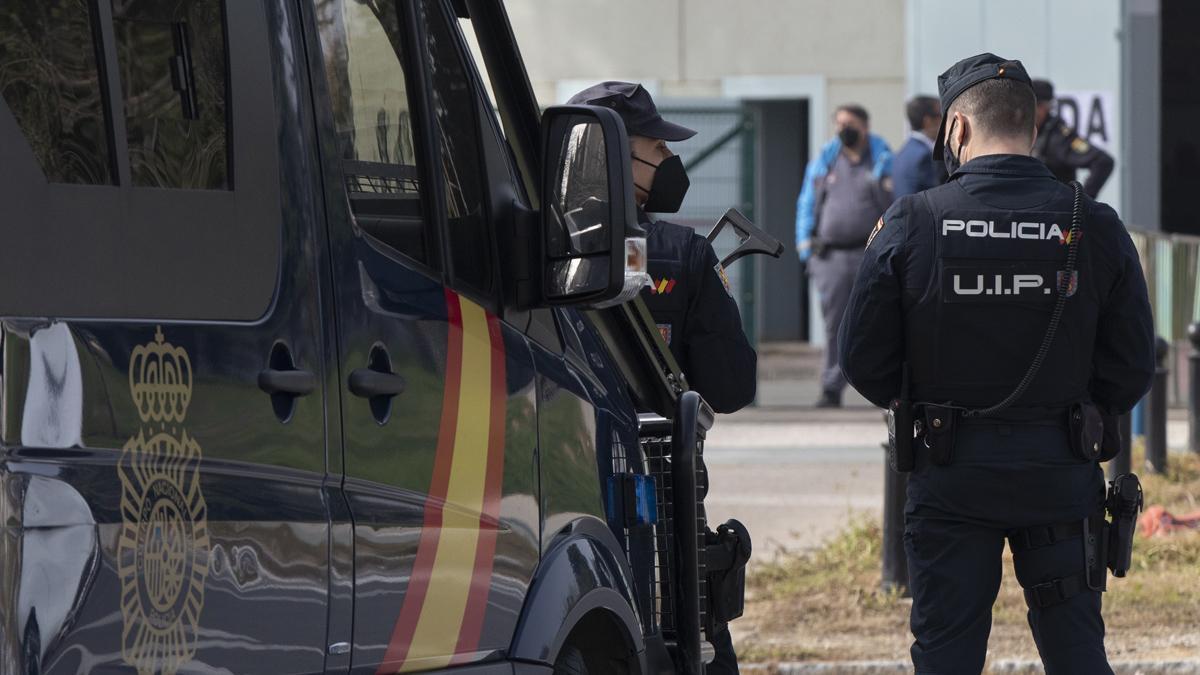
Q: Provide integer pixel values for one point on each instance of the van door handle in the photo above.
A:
(368, 383)
(288, 382)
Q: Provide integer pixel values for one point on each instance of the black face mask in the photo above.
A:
(849, 136)
(669, 186)
(953, 160)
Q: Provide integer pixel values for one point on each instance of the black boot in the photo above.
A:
(830, 399)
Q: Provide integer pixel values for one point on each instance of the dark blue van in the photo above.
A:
(319, 353)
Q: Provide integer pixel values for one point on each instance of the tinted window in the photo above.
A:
(456, 107)
(366, 70)
(51, 82)
(172, 59)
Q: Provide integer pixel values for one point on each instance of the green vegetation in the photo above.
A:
(827, 605)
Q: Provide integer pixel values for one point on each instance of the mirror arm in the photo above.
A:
(526, 257)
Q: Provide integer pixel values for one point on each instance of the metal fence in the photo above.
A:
(720, 162)
(1171, 264)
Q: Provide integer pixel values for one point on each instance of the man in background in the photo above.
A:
(1062, 150)
(913, 171)
(846, 189)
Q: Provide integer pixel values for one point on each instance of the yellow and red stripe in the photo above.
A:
(446, 599)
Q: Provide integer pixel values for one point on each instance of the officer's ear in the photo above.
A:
(956, 135)
(1033, 141)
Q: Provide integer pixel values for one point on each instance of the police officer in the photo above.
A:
(957, 290)
(1062, 149)
(689, 296)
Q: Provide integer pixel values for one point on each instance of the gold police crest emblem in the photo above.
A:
(163, 548)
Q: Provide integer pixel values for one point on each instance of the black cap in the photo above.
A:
(1043, 90)
(633, 103)
(966, 74)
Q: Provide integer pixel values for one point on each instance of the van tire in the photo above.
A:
(570, 661)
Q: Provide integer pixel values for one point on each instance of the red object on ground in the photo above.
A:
(1157, 520)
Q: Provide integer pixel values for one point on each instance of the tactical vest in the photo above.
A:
(979, 301)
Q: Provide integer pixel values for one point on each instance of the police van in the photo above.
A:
(319, 353)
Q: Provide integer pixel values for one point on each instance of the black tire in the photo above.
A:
(570, 661)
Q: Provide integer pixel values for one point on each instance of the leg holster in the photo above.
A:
(1092, 536)
(728, 551)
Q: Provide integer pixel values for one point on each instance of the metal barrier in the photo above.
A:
(1171, 263)
(720, 161)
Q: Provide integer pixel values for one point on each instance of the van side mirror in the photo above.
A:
(593, 252)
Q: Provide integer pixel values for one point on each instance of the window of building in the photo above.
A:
(366, 69)
(173, 69)
(50, 80)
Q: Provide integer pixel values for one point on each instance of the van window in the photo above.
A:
(367, 74)
(457, 109)
(50, 80)
(121, 250)
(173, 81)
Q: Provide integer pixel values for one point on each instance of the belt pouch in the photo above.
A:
(1086, 428)
(939, 433)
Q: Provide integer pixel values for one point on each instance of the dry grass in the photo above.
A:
(827, 604)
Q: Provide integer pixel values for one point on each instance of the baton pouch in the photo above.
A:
(900, 436)
(1110, 445)
(939, 433)
(1096, 550)
(726, 553)
(1086, 430)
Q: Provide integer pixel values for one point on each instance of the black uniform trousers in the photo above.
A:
(1001, 477)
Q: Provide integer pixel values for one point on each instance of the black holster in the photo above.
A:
(726, 554)
(1123, 503)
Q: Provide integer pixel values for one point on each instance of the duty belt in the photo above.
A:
(1031, 415)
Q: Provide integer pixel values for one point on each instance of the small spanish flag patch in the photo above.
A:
(878, 227)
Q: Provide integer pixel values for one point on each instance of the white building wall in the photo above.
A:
(704, 48)
(1073, 43)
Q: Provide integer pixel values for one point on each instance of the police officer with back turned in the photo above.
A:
(689, 298)
(1009, 313)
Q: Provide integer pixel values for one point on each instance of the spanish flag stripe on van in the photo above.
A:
(489, 519)
(442, 611)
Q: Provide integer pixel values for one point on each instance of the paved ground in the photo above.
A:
(796, 475)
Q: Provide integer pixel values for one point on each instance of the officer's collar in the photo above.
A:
(1012, 165)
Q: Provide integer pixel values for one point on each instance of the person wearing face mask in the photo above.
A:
(1007, 313)
(689, 298)
(846, 188)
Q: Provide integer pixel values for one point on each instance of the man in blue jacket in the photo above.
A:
(912, 171)
(846, 189)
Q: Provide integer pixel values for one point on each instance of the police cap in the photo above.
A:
(966, 74)
(1043, 90)
(633, 103)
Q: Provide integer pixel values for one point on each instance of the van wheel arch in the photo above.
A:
(589, 648)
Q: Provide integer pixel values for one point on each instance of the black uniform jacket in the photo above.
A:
(1064, 151)
(959, 282)
(696, 314)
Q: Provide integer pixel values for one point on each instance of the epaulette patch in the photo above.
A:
(878, 227)
(724, 278)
